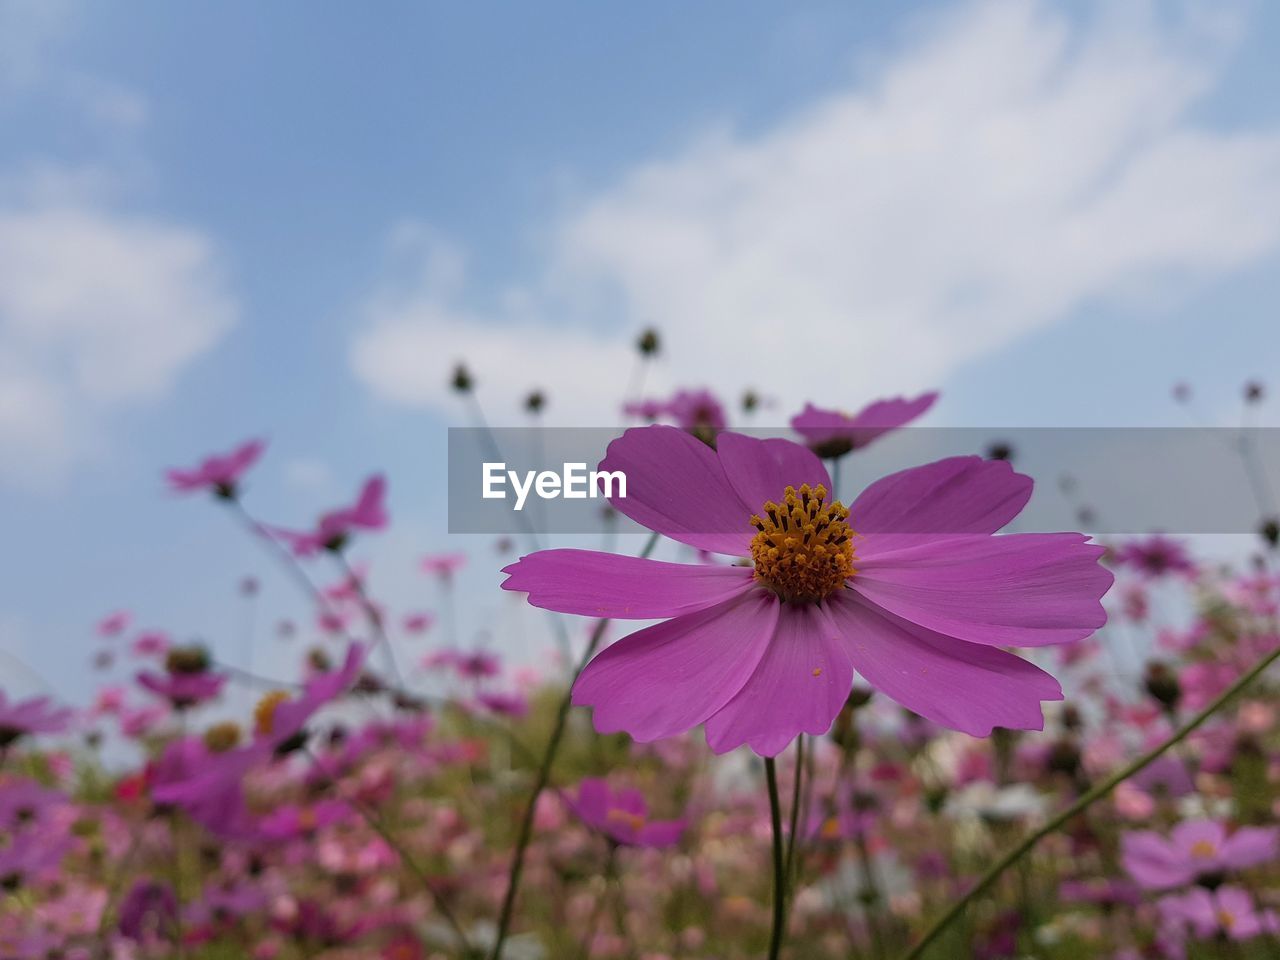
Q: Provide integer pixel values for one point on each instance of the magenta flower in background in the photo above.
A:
(334, 528)
(210, 791)
(909, 587)
(1156, 556)
(444, 565)
(1226, 911)
(830, 433)
(623, 816)
(220, 473)
(25, 717)
(1195, 848)
(114, 624)
(697, 411)
(182, 690)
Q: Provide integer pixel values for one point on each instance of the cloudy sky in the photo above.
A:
(290, 220)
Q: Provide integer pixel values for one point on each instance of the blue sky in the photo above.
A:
(289, 220)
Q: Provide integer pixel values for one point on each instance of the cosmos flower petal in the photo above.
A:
(952, 496)
(668, 678)
(677, 486)
(760, 470)
(1021, 590)
(799, 687)
(817, 425)
(595, 584)
(964, 686)
(1154, 862)
(1249, 846)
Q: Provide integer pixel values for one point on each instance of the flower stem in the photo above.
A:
(543, 778)
(1084, 801)
(796, 785)
(779, 863)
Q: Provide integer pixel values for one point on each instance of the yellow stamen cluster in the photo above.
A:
(1204, 849)
(623, 818)
(804, 548)
(222, 737)
(264, 714)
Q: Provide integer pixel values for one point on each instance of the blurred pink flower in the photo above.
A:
(830, 433)
(1227, 911)
(114, 624)
(219, 473)
(25, 717)
(1156, 556)
(696, 411)
(334, 528)
(623, 816)
(444, 565)
(761, 653)
(1195, 848)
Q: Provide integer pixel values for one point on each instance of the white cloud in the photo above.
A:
(97, 311)
(1007, 166)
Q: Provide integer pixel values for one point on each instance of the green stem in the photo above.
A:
(1085, 800)
(779, 865)
(795, 807)
(543, 778)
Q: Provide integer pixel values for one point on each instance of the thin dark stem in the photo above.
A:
(1087, 798)
(371, 614)
(796, 784)
(779, 864)
(525, 834)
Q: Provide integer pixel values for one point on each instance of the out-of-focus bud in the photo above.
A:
(535, 401)
(1162, 684)
(1071, 719)
(750, 401)
(648, 343)
(1064, 757)
(1182, 391)
(189, 659)
(1270, 531)
(319, 660)
(1254, 392)
(1000, 450)
(462, 381)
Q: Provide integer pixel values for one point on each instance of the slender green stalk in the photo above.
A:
(779, 863)
(543, 778)
(1086, 799)
(796, 784)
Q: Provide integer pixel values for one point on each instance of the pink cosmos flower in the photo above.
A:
(418, 622)
(182, 690)
(1156, 556)
(334, 528)
(444, 565)
(830, 433)
(697, 411)
(1227, 911)
(220, 473)
(623, 816)
(909, 587)
(506, 704)
(1195, 848)
(212, 794)
(151, 643)
(114, 624)
(37, 715)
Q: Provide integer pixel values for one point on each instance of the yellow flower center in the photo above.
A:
(264, 714)
(222, 737)
(1204, 849)
(622, 818)
(1226, 919)
(803, 551)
